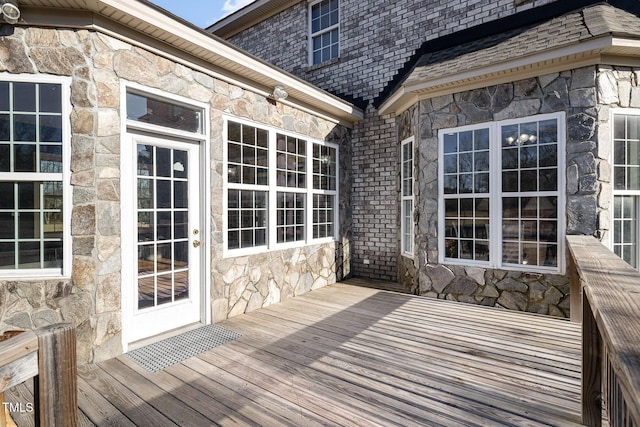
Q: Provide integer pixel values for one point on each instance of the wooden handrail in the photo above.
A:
(610, 333)
(49, 355)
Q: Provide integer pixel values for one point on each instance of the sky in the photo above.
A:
(201, 13)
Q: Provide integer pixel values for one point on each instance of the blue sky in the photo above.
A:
(201, 13)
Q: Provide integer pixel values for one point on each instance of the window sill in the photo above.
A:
(315, 67)
(235, 253)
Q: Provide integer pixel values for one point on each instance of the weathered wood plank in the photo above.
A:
(427, 383)
(98, 409)
(184, 391)
(130, 404)
(245, 397)
(147, 389)
(18, 371)
(18, 346)
(56, 390)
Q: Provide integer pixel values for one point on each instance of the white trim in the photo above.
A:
(496, 194)
(272, 189)
(585, 53)
(311, 35)
(64, 177)
(129, 129)
(403, 198)
(636, 193)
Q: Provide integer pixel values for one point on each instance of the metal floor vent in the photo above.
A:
(157, 356)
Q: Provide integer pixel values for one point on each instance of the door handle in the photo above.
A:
(196, 243)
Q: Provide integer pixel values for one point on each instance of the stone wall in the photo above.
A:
(588, 172)
(91, 296)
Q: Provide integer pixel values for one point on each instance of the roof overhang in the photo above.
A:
(248, 16)
(608, 49)
(145, 25)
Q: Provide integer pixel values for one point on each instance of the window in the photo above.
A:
(626, 187)
(407, 197)
(325, 195)
(34, 211)
(281, 189)
(502, 190)
(324, 17)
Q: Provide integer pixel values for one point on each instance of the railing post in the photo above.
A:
(55, 389)
(591, 368)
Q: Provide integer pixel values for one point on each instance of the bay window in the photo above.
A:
(502, 187)
(626, 187)
(281, 189)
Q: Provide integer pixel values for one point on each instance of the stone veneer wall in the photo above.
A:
(91, 297)
(588, 180)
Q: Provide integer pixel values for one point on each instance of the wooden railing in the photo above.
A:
(49, 354)
(610, 333)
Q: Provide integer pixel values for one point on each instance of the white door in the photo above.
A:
(165, 280)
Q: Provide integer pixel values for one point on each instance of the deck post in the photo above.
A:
(55, 387)
(591, 368)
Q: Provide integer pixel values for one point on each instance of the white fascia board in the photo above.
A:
(407, 94)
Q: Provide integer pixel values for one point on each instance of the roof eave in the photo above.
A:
(620, 50)
(192, 46)
(248, 16)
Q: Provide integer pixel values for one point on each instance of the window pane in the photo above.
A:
(24, 128)
(4, 96)
(7, 255)
(50, 98)
(7, 225)
(5, 127)
(29, 255)
(24, 98)
(145, 109)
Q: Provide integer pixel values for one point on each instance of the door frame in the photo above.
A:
(129, 129)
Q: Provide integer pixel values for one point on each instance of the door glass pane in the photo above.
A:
(163, 229)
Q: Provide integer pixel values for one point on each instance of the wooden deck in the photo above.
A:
(353, 356)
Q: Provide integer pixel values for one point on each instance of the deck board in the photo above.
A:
(356, 356)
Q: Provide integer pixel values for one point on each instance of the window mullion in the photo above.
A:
(310, 192)
(495, 195)
(272, 222)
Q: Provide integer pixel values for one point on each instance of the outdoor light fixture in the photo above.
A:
(10, 11)
(279, 94)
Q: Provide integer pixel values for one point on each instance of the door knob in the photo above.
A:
(196, 243)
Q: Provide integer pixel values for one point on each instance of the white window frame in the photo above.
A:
(322, 31)
(64, 177)
(406, 218)
(632, 193)
(273, 189)
(496, 194)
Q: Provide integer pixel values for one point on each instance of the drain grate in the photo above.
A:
(159, 355)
